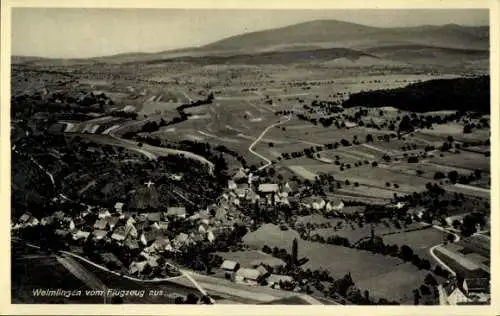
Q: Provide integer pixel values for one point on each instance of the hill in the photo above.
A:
(461, 94)
(333, 33)
(320, 40)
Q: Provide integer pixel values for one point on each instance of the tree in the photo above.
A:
(416, 297)
(295, 249)
(439, 175)
(192, 299)
(424, 289)
(271, 144)
(267, 249)
(450, 238)
(453, 176)
(406, 253)
(369, 138)
(430, 280)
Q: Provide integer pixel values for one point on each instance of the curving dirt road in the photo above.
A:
(250, 148)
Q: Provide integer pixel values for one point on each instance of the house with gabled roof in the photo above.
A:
(112, 221)
(476, 285)
(210, 236)
(101, 224)
(137, 267)
(231, 185)
(131, 230)
(274, 280)
(141, 225)
(248, 276)
(240, 175)
(24, 218)
(148, 237)
(181, 240)
(176, 211)
(154, 217)
(119, 207)
(263, 270)
(268, 188)
(80, 235)
(314, 202)
(162, 244)
(131, 244)
(59, 215)
(103, 213)
(119, 234)
(99, 234)
(47, 220)
(334, 205)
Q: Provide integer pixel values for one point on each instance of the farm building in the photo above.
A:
(101, 224)
(477, 285)
(231, 185)
(119, 207)
(77, 235)
(99, 234)
(177, 211)
(269, 261)
(450, 219)
(268, 188)
(454, 295)
(119, 234)
(230, 265)
(248, 276)
(240, 175)
(334, 205)
(274, 280)
(154, 217)
(314, 202)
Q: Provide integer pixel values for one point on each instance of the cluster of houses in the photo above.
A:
(473, 291)
(273, 194)
(258, 272)
(144, 233)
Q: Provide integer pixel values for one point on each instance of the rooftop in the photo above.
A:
(268, 187)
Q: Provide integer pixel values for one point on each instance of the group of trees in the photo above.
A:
(455, 177)
(405, 253)
(342, 289)
(466, 94)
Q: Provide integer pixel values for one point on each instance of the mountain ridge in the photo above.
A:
(311, 35)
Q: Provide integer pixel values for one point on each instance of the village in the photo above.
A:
(145, 245)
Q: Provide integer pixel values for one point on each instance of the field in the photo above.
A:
(469, 255)
(408, 278)
(463, 267)
(387, 230)
(464, 160)
(420, 241)
(367, 269)
(33, 269)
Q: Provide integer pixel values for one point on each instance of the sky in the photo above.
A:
(82, 33)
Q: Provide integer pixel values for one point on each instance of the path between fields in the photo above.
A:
(151, 151)
(250, 148)
(73, 268)
(431, 250)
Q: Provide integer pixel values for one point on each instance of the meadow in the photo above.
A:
(368, 270)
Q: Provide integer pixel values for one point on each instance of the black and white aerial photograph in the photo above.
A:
(250, 156)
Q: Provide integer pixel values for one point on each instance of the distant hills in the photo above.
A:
(333, 33)
(323, 40)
